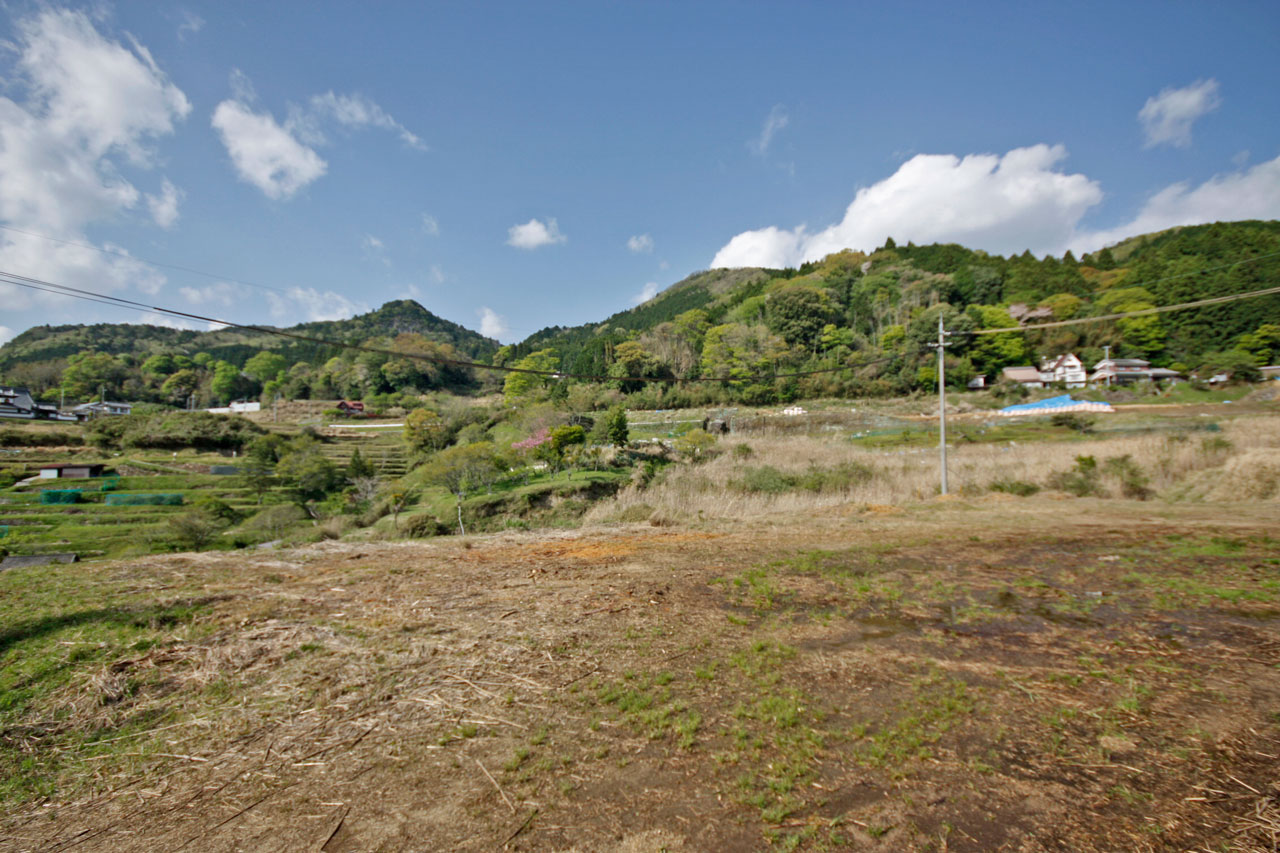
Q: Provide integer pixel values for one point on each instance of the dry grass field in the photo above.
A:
(977, 674)
(795, 647)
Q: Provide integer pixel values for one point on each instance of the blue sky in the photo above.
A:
(512, 166)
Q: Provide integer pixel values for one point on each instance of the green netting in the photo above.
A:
(4, 530)
(110, 484)
(143, 500)
(60, 496)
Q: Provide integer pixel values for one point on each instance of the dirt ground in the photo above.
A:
(996, 674)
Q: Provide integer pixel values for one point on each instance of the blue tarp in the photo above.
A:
(1055, 404)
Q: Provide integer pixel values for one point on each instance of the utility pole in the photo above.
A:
(1106, 358)
(941, 346)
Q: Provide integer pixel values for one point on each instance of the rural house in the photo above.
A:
(353, 408)
(1125, 371)
(105, 407)
(17, 403)
(1066, 369)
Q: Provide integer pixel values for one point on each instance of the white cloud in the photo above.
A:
(371, 243)
(535, 234)
(492, 324)
(646, 293)
(1249, 194)
(437, 274)
(221, 293)
(164, 207)
(264, 153)
(1167, 117)
(774, 122)
(190, 24)
(359, 111)
(997, 203)
(6, 335)
(430, 226)
(640, 244)
(168, 321)
(314, 305)
(88, 106)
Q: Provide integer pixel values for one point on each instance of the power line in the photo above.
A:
(130, 257)
(121, 302)
(1142, 312)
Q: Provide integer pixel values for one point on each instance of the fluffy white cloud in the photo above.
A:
(998, 203)
(164, 207)
(86, 105)
(437, 274)
(1248, 194)
(774, 122)
(430, 226)
(1167, 117)
(264, 153)
(492, 324)
(646, 293)
(640, 244)
(535, 234)
(359, 111)
(314, 305)
(280, 158)
(6, 334)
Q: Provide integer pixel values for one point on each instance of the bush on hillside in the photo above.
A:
(172, 431)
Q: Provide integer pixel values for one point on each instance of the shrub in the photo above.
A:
(274, 521)
(742, 451)
(194, 529)
(765, 479)
(1133, 480)
(423, 526)
(1073, 421)
(1021, 488)
(1081, 481)
(172, 431)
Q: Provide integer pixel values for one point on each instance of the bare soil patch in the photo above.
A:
(1019, 675)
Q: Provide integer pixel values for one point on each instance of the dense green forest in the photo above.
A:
(172, 366)
(865, 318)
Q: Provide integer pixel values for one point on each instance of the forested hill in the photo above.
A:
(862, 321)
(141, 362)
(46, 343)
(852, 307)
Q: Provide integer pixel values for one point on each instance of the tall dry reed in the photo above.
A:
(712, 490)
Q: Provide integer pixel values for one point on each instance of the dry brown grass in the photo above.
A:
(1242, 462)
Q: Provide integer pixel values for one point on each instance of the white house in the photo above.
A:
(1066, 369)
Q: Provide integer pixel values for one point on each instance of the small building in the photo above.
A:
(1270, 372)
(72, 470)
(1125, 371)
(353, 408)
(105, 407)
(1028, 376)
(1066, 369)
(977, 383)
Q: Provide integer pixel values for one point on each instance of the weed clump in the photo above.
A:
(1133, 480)
(1021, 488)
(1083, 480)
(767, 479)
